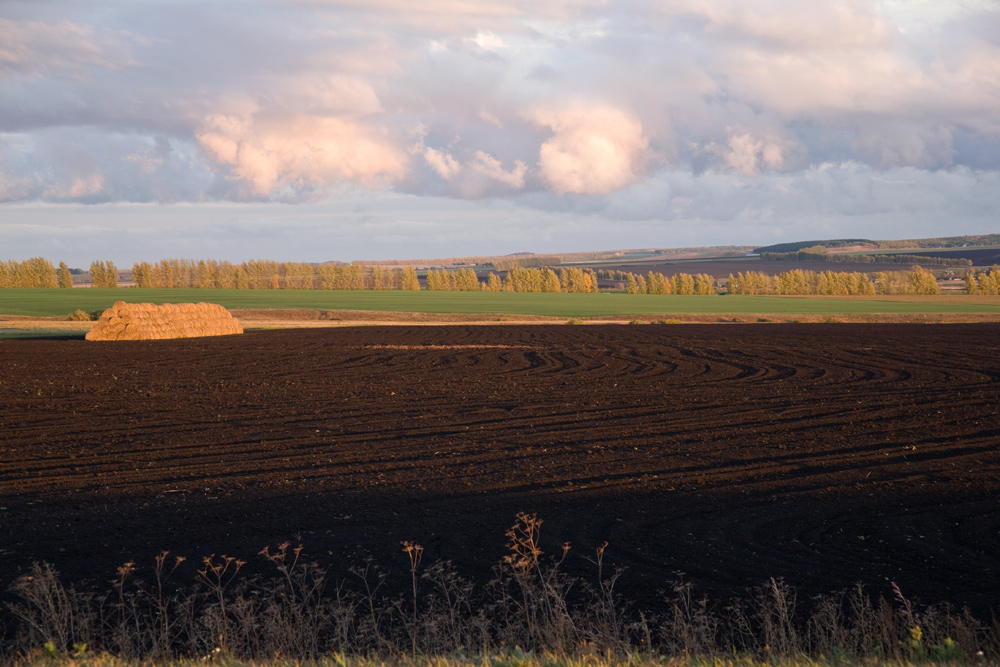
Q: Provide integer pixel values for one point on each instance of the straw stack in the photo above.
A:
(147, 321)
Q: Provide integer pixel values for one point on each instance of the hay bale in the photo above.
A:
(147, 321)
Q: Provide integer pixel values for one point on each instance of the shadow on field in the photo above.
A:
(42, 334)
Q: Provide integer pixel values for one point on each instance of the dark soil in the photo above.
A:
(824, 454)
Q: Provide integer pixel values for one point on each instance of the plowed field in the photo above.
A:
(824, 454)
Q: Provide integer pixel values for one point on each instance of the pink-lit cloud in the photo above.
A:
(446, 166)
(279, 152)
(593, 150)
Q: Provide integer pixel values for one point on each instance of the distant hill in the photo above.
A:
(944, 242)
(829, 243)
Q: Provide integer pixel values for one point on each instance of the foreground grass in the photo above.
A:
(530, 613)
(509, 659)
(60, 302)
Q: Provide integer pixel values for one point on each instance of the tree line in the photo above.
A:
(657, 283)
(517, 280)
(985, 282)
(34, 272)
(681, 283)
(802, 282)
(814, 255)
(269, 274)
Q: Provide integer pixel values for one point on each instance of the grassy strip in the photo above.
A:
(60, 302)
(41, 332)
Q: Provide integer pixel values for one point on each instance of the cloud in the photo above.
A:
(640, 110)
(37, 48)
(487, 41)
(486, 164)
(905, 144)
(300, 152)
(79, 187)
(334, 94)
(788, 24)
(748, 154)
(454, 16)
(444, 164)
(150, 159)
(594, 150)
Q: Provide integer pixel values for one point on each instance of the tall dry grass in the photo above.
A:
(530, 607)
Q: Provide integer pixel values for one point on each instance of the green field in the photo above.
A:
(59, 302)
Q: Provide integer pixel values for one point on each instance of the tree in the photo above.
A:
(142, 274)
(43, 271)
(104, 274)
(225, 277)
(65, 277)
(683, 283)
(241, 278)
(163, 274)
(863, 285)
(550, 281)
(204, 277)
(971, 284)
(704, 285)
(751, 282)
(494, 283)
(381, 278)
(465, 280)
(437, 280)
(409, 280)
(657, 283)
(989, 281)
(922, 281)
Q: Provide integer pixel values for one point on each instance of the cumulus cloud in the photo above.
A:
(594, 150)
(748, 153)
(272, 152)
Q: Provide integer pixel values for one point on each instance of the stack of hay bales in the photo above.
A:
(147, 321)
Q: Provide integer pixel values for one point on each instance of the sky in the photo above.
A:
(316, 130)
